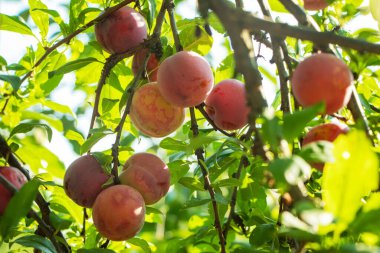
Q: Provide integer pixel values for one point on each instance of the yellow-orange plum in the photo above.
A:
(84, 179)
(119, 212)
(322, 78)
(148, 174)
(121, 30)
(226, 105)
(185, 79)
(152, 114)
(315, 5)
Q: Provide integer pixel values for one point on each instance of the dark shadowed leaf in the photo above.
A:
(15, 81)
(36, 242)
(27, 127)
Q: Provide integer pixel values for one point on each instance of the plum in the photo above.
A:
(16, 178)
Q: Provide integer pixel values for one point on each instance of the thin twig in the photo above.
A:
(173, 26)
(207, 183)
(212, 123)
(243, 164)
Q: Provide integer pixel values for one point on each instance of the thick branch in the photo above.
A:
(250, 22)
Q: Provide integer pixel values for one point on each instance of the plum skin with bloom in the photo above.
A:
(185, 79)
(148, 174)
(152, 114)
(226, 105)
(322, 78)
(119, 212)
(16, 178)
(83, 180)
(121, 30)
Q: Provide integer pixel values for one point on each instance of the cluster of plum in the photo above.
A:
(118, 211)
(182, 80)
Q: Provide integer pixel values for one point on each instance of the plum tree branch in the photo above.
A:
(279, 61)
(130, 90)
(207, 183)
(173, 26)
(207, 117)
(243, 164)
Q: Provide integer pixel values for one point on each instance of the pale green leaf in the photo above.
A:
(13, 24)
(41, 19)
(352, 176)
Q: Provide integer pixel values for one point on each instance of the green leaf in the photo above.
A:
(41, 19)
(262, 234)
(36, 242)
(58, 107)
(73, 65)
(87, 145)
(56, 123)
(276, 5)
(18, 207)
(172, 144)
(140, 243)
(74, 136)
(289, 171)
(191, 41)
(191, 183)
(296, 122)
(178, 169)
(196, 202)
(15, 81)
(108, 104)
(13, 24)
(318, 151)
(27, 127)
(229, 182)
(95, 251)
(348, 179)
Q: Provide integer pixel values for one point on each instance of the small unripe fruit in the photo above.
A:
(121, 30)
(152, 114)
(185, 79)
(119, 212)
(151, 66)
(322, 78)
(325, 132)
(315, 5)
(84, 179)
(226, 105)
(16, 178)
(148, 174)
